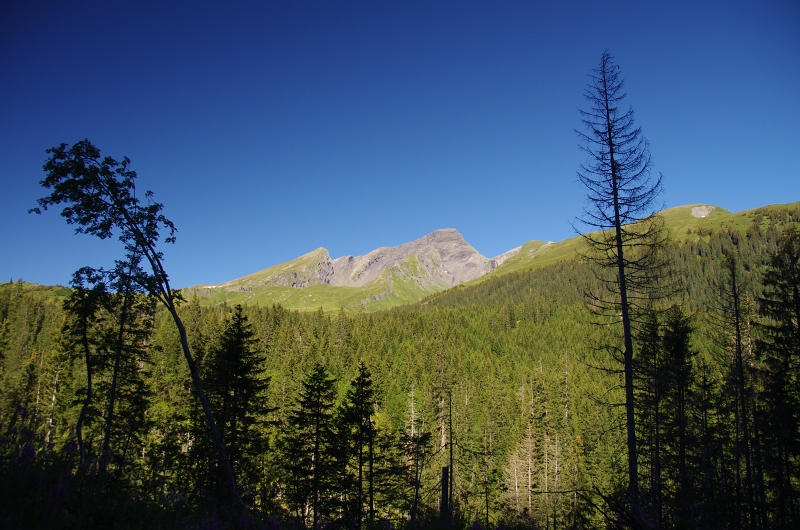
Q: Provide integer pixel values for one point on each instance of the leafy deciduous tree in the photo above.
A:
(100, 198)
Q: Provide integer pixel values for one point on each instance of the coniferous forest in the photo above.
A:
(352, 417)
(532, 399)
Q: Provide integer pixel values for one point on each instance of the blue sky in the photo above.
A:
(269, 129)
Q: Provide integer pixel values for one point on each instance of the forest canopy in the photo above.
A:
(505, 372)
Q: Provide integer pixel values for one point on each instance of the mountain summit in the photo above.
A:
(442, 258)
(383, 278)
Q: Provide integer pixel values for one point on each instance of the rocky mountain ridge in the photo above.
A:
(440, 259)
(390, 276)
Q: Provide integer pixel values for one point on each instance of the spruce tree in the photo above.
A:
(678, 439)
(82, 312)
(780, 352)
(127, 419)
(237, 390)
(359, 432)
(311, 449)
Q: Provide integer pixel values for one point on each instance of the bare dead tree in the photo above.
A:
(625, 233)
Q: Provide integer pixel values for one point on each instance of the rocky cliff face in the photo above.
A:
(441, 258)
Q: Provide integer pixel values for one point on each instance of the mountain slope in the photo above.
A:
(383, 278)
(690, 222)
(391, 276)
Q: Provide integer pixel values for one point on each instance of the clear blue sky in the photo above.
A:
(269, 129)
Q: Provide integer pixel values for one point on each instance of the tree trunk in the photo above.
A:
(740, 384)
(105, 453)
(371, 476)
(236, 499)
(630, 412)
(88, 400)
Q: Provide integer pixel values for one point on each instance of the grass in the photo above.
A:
(405, 282)
(46, 293)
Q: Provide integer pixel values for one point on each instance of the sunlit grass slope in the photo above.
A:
(680, 222)
(405, 283)
(401, 284)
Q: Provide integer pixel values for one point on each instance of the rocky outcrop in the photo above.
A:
(499, 260)
(442, 256)
(702, 210)
(438, 260)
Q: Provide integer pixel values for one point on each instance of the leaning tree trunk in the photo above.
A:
(105, 453)
(215, 434)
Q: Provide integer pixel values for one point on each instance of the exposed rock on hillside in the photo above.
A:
(499, 260)
(703, 210)
(442, 258)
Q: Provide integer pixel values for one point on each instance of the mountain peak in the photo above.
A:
(442, 234)
(442, 258)
(435, 261)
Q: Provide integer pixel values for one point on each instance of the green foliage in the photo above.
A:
(99, 196)
(357, 433)
(534, 439)
(312, 450)
(237, 389)
(780, 379)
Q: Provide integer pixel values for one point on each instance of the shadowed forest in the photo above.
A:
(502, 382)
(651, 380)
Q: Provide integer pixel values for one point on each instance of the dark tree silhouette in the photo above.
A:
(625, 234)
(731, 320)
(311, 446)
(237, 387)
(88, 291)
(780, 351)
(120, 281)
(99, 196)
(358, 408)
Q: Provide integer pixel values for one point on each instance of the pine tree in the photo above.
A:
(651, 390)
(678, 440)
(731, 312)
(625, 234)
(417, 444)
(780, 352)
(311, 449)
(128, 422)
(237, 390)
(358, 432)
(83, 309)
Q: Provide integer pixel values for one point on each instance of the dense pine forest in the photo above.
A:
(643, 379)
(489, 405)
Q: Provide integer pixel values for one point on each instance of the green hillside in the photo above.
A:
(516, 351)
(515, 358)
(40, 293)
(401, 284)
(678, 221)
(396, 286)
